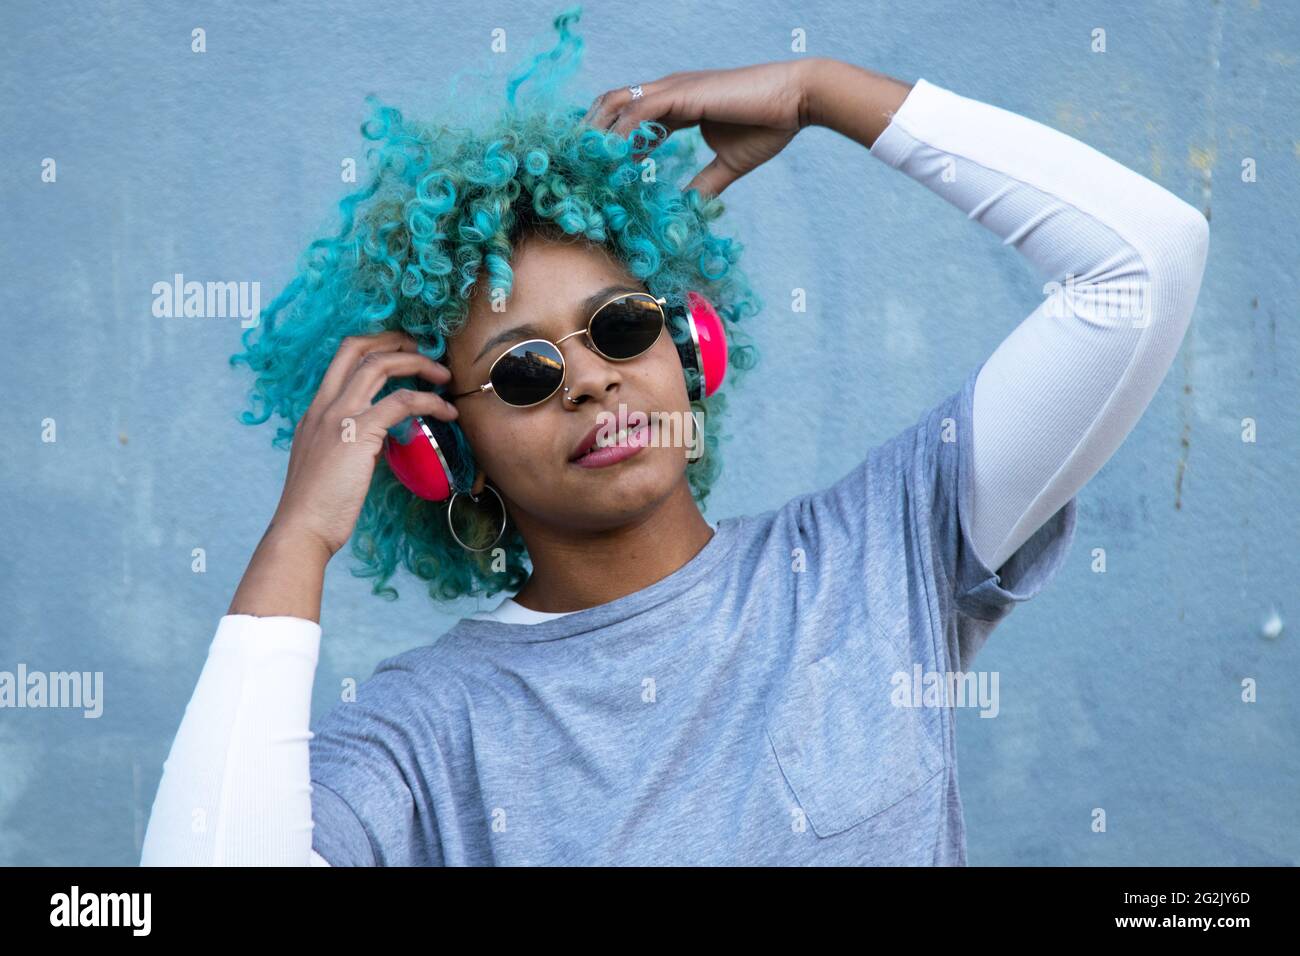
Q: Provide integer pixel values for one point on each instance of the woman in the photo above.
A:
(662, 689)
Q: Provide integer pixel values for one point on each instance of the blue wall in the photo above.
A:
(1118, 690)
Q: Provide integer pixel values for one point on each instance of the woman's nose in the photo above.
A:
(588, 373)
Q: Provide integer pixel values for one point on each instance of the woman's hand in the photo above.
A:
(746, 115)
(340, 437)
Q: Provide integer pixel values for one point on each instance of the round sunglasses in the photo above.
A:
(529, 373)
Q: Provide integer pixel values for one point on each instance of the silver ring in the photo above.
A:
(636, 91)
(452, 525)
(567, 398)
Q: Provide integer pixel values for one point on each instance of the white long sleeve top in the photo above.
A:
(1051, 404)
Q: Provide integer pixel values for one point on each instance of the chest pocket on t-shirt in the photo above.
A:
(846, 750)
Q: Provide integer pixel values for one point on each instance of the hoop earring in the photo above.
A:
(452, 525)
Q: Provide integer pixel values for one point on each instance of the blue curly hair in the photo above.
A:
(445, 205)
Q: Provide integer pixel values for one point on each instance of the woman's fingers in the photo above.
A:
(607, 108)
(620, 114)
(664, 102)
(405, 403)
(349, 355)
(713, 178)
(594, 112)
(374, 370)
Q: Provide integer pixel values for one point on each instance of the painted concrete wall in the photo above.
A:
(1119, 690)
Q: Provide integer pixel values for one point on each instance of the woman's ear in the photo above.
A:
(480, 478)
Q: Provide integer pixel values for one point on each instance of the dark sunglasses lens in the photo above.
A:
(529, 373)
(627, 327)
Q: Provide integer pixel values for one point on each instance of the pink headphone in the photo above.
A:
(429, 457)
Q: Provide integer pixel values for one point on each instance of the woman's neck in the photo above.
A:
(575, 571)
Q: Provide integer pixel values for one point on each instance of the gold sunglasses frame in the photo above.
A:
(564, 366)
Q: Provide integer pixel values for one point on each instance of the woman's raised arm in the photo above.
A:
(1123, 258)
(236, 786)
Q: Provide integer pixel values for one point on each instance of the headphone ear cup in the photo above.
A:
(430, 457)
(706, 348)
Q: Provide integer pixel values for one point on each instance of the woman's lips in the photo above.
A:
(603, 457)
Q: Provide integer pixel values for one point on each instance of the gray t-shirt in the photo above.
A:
(742, 710)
